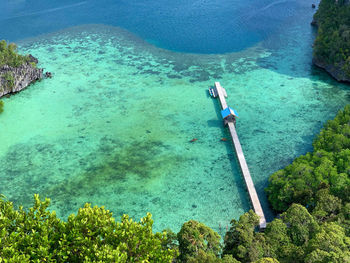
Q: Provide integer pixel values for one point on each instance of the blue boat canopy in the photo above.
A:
(228, 111)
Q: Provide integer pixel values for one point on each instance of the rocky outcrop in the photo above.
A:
(314, 22)
(15, 79)
(335, 71)
(331, 19)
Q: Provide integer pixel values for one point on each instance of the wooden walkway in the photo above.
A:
(242, 162)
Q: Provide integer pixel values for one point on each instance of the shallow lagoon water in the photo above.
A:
(114, 124)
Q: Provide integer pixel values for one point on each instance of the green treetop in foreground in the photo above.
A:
(1, 106)
(94, 236)
(90, 236)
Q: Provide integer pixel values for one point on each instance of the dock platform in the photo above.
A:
(221, 93)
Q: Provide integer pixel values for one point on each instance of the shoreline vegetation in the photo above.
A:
(332, 44)
(10, 57)
(16, 71)
(312, 195)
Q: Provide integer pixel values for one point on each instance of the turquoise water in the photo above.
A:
(113, 126)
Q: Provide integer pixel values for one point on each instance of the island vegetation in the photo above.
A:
(9, 55)
(312, 195)
(16, 71)
(332, 44)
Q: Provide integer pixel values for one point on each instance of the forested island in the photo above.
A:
(16, 71)
(332, 44)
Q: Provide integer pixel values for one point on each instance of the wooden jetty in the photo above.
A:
(221, 93)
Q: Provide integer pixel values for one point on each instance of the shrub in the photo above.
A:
(91, 235)
(9, 55)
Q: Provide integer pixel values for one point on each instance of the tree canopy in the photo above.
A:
(92, 235)
(9, 55)
(332, 44)
(328, 167)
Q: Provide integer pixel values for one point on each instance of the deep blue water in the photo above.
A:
(197, 26)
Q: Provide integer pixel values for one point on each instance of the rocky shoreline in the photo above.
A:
(335, 71)
(15, 79)
(321, 19)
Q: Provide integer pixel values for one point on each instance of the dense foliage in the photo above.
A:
(1, 106)
(327, 168)
(90, 236)
(208, 241)
(332, 45)
(9, 55)
(320, 181)
(93, 235)
(297, 236)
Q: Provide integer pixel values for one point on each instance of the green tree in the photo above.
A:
(90, 236)
(327, 206)
(330, 244)
(242, 242)
(332, 44)
(327, 167)
(267, 260)
(301, 225)
(31, 235)
(9, 55)
(279, 242)
(229, 259)
(197, 241)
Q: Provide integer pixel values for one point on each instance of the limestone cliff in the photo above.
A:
(15, 79)
(336, 71)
